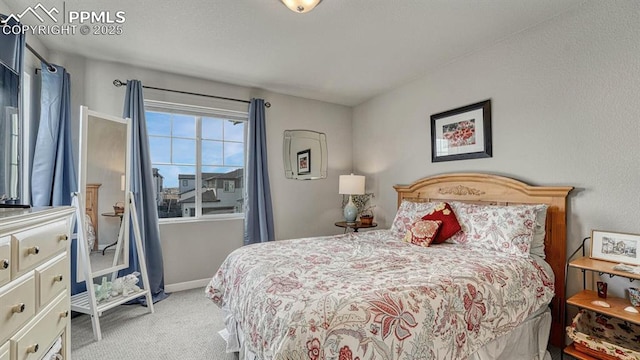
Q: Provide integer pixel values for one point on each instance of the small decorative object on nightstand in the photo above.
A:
(118, 209)
(366, 218)
(351, 185)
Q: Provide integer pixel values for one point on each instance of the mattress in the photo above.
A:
(366, 295)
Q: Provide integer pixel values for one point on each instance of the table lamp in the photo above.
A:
(351, 185)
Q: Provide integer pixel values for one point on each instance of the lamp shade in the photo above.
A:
(301, 6)
(351, 185)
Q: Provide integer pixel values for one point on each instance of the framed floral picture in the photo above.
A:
(304, 162)
(615, 247)
(462, 133)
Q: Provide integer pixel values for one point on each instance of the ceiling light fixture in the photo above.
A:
(301, 6)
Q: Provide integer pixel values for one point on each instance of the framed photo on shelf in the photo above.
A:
(462, 133)
(304, 162)
(615, 247)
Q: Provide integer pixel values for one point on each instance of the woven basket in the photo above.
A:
(366, 220)
(604, 337)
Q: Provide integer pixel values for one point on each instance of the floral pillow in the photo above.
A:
(507, 229)
(422, 232)
(407, 214)
(450, 224)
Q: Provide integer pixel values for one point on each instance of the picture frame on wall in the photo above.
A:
(462, 133)
(304, 162)
(615, 247)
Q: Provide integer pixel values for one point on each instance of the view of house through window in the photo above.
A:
(197, 156)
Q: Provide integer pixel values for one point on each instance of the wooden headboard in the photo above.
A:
(499, 190)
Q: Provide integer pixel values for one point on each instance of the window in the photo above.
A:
(229, 185)
(198, 155)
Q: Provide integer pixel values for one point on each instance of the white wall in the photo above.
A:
(565, 112)
(192, 250)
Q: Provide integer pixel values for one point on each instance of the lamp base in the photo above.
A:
(350, 212)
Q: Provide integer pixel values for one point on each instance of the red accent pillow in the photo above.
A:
(450, 225)
(422, 232)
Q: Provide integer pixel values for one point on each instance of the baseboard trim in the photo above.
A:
(187, 285)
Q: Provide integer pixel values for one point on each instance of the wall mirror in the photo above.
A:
(305, 155)
(10, 139)
(10, 118)
(103, 176)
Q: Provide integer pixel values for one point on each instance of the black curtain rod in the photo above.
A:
(118, 83)
(34, 52)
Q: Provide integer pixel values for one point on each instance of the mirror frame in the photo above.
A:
(287, 156)
(123, 246)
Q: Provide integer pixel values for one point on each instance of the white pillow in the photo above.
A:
(537, 244)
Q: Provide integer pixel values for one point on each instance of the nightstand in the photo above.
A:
(118, 215)
(585, 298)
(354, 227)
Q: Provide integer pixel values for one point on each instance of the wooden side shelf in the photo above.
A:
(584, 298)
(586, 263)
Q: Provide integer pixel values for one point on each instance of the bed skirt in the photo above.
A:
(527, 341)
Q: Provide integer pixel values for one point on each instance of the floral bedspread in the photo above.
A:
(371, 296)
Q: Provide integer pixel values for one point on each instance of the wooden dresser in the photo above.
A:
(34, 282)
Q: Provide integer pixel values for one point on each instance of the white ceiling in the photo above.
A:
(344, 51)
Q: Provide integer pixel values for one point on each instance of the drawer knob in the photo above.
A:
(33, 348)
(34, 250)
(19, 308)
(4, 264)
(64, 314)
(63, 237)
(57, 278)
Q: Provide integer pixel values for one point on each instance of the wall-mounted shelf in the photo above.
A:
(600, 266)
(584, 298)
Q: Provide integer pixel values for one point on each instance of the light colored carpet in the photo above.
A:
(184, 326)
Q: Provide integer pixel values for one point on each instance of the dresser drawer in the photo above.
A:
(37, 244)
(17, 306)
(52, 278)
(36, 339)
(4, 352)
(5, 260)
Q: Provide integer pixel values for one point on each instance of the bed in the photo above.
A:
(371, 295)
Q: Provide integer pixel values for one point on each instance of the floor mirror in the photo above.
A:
(106, 214)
